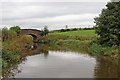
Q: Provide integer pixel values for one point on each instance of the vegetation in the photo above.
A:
(68, 42)
(108, 25)
(72, 29)
(17, 45)
(77, 33)
(84, 40)
(104, 40)
(45, 31)
(16, 29)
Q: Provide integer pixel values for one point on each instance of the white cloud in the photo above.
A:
(55, 15)
(60, 19)
(55, 0)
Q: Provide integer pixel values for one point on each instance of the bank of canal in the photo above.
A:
(48, 62)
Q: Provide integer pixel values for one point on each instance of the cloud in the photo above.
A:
(60, 19)
(54, 14)
(55, 0)
(38, 10)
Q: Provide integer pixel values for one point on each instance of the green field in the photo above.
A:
(78, 33)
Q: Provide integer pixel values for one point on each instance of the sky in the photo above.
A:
(56, 14)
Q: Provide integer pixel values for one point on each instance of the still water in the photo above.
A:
(53, 63)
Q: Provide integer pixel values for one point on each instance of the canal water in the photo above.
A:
(44, 62)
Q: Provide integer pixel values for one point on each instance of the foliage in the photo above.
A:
(16, 29)
(77, 33)
(68, 41)
(45, 31)
(8, 34)
(4, 63)
(29, 36)
(81, 42)
(13, 46)
(55, 36)
(108, 25)
(72, 29)
(103, 50)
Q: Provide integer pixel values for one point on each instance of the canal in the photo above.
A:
(44, 62)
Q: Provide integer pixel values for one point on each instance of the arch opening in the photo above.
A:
(34, 37)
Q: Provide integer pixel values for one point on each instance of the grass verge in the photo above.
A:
(83, 41)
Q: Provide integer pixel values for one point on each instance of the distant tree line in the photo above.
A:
(74, 29)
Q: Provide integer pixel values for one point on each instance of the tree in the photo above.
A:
(45, 31)
(4, 34)
(8, 34)
(16, 29)
(108, 24)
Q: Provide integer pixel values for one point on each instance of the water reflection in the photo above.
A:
(105, 68)
(45, 61)
(12, 70)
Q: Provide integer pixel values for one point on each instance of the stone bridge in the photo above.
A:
(33, 32)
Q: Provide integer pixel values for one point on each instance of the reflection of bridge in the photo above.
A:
(33, 32)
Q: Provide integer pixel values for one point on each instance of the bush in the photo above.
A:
(4, 63)
(12, 52)
(62, 30)
(16, 29)
(102, 49)
(45, 31)
(74, 29)
(8, 34)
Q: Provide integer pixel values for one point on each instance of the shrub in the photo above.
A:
(16, 29)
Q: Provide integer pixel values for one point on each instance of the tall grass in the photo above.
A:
(84, 40)
(77, 33)
(95, 48)
(13, 46)
(69, 41)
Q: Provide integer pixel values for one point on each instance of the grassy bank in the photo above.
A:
(77, 33)
(12, 49)
(83, 40)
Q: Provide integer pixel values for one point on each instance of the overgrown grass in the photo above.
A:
(12, 49)
(82, 40)
(77, 33)
(70, 39)
(29, 36)
(95, 48)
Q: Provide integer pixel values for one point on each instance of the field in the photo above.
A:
(77, 33)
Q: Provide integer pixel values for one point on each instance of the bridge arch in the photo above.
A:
(36, 34)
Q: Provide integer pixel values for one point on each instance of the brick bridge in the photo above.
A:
(33, 32)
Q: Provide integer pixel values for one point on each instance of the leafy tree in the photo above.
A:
(74, 29)
(8, 34)
(4, 33)
(108, 25)
(16, 29)
(45, 31)
(62, 30)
